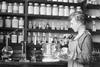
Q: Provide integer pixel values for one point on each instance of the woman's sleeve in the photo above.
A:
(86, 52)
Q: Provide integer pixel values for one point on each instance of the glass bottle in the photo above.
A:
(72, 9)
(61, 10)
(65, 1)
(48, 10)
(30, 24)
(66, 11)
(1, 37)
(1, 22)
(36, 8)
(14, 22)
(60, 0)
(34, 38)
(4, 6)
(21, 22)
(78, 8)
(21, 8)
(71, 1)
(54, 0)
(75, 1)
(94, 26)
(13, 38)
(29, 38)
(42, 9)
(8, 22)
(10, 8)
(20, 37)
(15, 8)
(30, 8)
(55, 10)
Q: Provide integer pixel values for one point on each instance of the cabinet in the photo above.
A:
(38, 26)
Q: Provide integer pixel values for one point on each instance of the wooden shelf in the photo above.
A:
(92, 6)
(97, 32)
(47, 17)
(9, 29)
(11, 1)
(97, 18)
(58, 3)
(12, 14)
(51, 31)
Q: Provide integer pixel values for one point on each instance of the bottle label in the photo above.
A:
(1, 23)
(8, 23)
(21, 9)
(14, 39)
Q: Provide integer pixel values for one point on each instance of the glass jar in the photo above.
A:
(14, 22)
(55, 10)
(66, 1)
(21, 8)
(30, 24)
(61, 10)
(66, 11)
(75, 1)
(14, 38)
(4, 6)
(30, 8)
(48, 10)
(20, 37)
(78, 8)
(71, 1)
(1, 22)
(1, 37)
(15, 8)
(8, 22)
(60, 0)
(54, 0)
(10, 8)
(42, 9)
(21, 22)
(36, 8)
(72, 9)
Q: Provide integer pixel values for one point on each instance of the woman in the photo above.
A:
(80, 47)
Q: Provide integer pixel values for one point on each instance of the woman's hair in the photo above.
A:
(79, 16)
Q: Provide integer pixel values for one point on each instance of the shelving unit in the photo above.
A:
(92, 6)
(27, 17)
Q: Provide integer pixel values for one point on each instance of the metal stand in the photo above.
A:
(23, 59)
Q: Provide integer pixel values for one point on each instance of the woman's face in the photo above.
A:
(74, 24)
